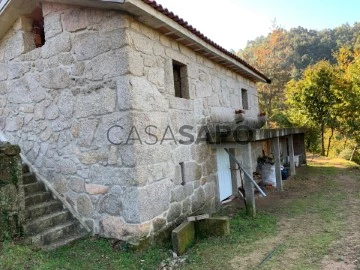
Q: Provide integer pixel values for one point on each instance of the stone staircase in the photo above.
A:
(47, 224)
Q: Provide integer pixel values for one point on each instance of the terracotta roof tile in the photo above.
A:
(189, 27)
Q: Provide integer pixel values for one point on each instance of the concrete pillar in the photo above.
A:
(291, 154)
(248, 185)
(276, 153)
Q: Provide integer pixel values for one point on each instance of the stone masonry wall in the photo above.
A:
(162, 194)
(97, 69)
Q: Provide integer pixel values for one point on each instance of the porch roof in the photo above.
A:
(242, 136)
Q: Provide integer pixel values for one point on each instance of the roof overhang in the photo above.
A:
(149, 13)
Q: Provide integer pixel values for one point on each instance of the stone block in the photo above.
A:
(111, 205)
(94, 189)
(107, 65)
(55, 78)
(218, 226)
(66, 103)
(174, 212)
(178, 194)
(52, 25)
(183, 237)
(17, 69)
(198, 199)
(19, 43)
(88, 45)
(75, 19)
(154, 199)
(157, 76)
(84, 205)
(77, 184)
(58, 44)
(115, 227)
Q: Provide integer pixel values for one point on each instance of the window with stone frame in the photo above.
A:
(245, 99)
(181, 84)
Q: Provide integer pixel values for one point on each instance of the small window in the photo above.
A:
(180, 80)
(244, 98)
(38, 27)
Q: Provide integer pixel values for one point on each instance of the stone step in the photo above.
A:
(42, 209)
(29, 178)
(57, 233)
(43, 223)
(25, 168)
(34, 188)
(64, 241)
(37, 198)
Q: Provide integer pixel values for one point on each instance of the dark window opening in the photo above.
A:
(180, 80)
(244, 98)
(38, 27)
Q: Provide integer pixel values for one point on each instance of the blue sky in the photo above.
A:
(230, 23)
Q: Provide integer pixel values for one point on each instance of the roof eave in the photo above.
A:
(10, 10)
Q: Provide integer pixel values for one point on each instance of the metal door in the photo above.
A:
(224, 173)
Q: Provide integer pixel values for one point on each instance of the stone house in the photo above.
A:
(96, 93)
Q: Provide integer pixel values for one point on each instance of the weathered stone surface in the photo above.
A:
(89, 45)
(84, 206)
(14, 123)
(97, 102)
(3, 72)
(115, 227)
(154, 199)
(52, 25)
(17, 70)
(51, 112)
(158, 224)
(55, 78)
(75, 19)
(178, 194)
(198, 199)
(66, 103)
(174, 212)
(93, 157)
(77, 184)
(56, 45)
(60, 184)
(87, 128)
(19, 43)
(108, 175)
(67, 166)
(111, 205)
(94, 189)
(218, 226)
(107, 65)
(183, 237)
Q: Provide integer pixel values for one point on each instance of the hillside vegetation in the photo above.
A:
(315, 84)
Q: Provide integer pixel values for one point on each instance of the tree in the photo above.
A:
(271, 55)
(315, 97)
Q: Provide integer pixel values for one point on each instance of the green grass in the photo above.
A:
(215, 253)
(318, 198)
(84, 254)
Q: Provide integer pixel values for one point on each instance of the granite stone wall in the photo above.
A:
(99, 75)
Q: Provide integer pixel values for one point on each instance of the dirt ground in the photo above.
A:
(324, 236)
